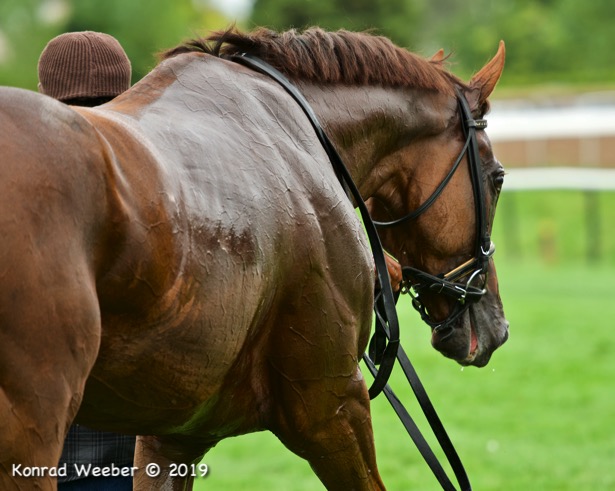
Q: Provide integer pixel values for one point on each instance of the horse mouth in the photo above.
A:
(465, 343)
(473, 345)
(478, 353)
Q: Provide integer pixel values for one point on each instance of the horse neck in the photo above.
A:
(370, 124)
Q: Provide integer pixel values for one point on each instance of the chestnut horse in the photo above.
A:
(183, 263)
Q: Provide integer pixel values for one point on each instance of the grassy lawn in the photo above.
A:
(539, 416)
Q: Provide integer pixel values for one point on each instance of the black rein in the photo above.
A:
(387, 325)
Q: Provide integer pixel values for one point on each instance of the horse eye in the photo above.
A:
(498, 181)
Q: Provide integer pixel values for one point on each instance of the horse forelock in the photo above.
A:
(340, 57)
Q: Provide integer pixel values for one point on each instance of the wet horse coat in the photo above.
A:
(188, 251)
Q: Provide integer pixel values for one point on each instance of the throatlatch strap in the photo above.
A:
(387, 325)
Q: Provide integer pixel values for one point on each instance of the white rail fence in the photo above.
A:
(589, 181)
(559, 178)
(558, 143)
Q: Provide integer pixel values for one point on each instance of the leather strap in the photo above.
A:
(387, 325)
(386, 313)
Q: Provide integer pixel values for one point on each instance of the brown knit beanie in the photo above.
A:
(83, 64)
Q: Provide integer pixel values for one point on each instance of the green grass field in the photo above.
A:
(540, 416)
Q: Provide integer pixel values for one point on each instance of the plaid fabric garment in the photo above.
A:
(98, 448)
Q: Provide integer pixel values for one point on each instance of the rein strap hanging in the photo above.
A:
(387, 324)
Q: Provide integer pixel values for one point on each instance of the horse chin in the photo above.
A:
(469, 341)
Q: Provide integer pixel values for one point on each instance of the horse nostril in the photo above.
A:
(443, 331)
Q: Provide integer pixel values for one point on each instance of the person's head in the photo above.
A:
(83, 68)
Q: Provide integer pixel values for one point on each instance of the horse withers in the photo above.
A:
(183, 263)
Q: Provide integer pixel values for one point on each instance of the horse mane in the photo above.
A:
(340, 57)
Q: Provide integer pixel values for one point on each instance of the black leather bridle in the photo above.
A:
(460, 283)
(385, 347)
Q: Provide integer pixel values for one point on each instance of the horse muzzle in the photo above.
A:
(463, 309)
(471, 339)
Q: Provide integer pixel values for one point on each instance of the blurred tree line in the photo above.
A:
(548, 41)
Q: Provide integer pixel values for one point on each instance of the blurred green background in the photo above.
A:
(540, 416)
(555, 42)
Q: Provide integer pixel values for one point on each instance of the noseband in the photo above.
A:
(459, 283)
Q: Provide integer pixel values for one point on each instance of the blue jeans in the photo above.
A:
(118, 483)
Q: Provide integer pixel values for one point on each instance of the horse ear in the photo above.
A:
(438, 57)
(482, 84)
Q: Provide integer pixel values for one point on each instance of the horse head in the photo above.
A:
(436, 215)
